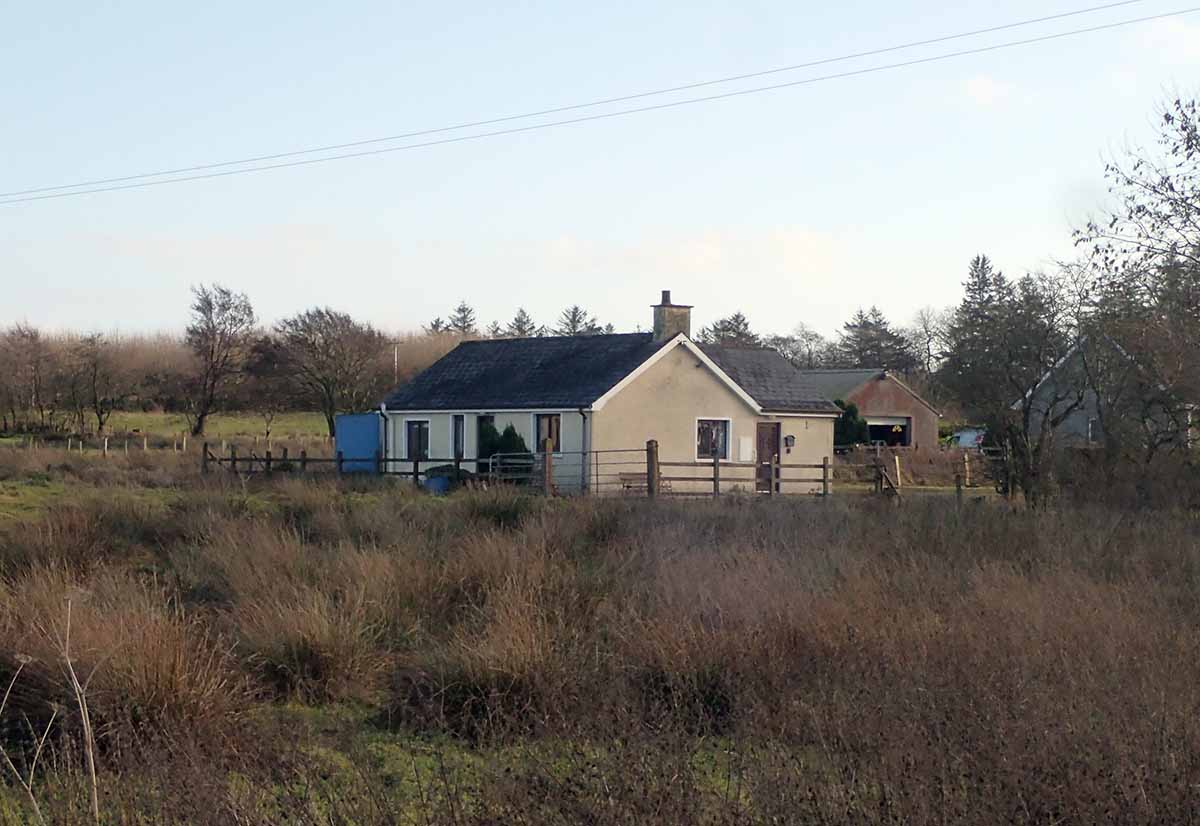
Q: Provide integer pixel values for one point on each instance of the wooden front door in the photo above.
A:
(767, 449)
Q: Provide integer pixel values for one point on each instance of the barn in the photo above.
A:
(895, 413)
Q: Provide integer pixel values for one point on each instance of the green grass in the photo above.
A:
(224, 426)
(26, 498)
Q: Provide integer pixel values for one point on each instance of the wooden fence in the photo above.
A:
(637, 472)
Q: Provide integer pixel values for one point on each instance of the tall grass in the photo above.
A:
(739, 661)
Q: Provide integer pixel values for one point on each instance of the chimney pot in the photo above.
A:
(666, 299)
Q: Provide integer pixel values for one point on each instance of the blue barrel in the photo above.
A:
(438, 485)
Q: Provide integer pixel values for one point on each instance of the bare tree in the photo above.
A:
(220, 334)
(101, 378)
(34, 375)
(270, 388)
(927, 334)
(340, 363)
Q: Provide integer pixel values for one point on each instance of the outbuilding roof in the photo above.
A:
(837, 384)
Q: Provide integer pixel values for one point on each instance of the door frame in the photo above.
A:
(763, 483)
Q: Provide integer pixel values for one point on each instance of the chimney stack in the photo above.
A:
(671, 319)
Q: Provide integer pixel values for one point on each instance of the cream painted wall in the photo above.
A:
(664, 403)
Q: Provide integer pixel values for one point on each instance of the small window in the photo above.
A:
(1093, 433)
(416, 439)
(549, 426)
(459, 437)
(712, 437)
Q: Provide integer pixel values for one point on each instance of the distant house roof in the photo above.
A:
(770, 379)
(838, 384)
(574, 371)
(525, 373)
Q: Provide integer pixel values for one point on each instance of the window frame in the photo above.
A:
(537, 446)
(728, 446)
(428, 438)
(458, 420)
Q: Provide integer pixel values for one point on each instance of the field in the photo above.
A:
(354, 652)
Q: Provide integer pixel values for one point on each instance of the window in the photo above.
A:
(458, 435)
(549, 426)
(712, 436)
(1093, 433)
(416, 439)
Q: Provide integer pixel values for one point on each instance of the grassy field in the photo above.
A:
(354, 652)
(223, 426)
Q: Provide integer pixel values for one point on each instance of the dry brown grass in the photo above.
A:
(740, 661)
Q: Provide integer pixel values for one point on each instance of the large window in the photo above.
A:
(549, 426)
(712, 436)
(416, 439)
(458, 437)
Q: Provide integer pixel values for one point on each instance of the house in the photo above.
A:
(895, 413)
(1098, 386)
(604, 396)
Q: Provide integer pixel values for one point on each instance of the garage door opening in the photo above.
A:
(890, 431)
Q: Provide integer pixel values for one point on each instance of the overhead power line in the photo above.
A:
(571, 107)
(576, 120)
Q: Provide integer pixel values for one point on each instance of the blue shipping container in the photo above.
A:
(359, 438)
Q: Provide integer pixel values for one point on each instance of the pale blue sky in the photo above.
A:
(793, 206)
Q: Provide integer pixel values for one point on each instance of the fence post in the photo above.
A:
(967, 469)
(204, 459)
(185, 443)
(773, 488)
(958, 486)
(105, 447)
(1009, 475)
(68, 444)
(716, 474)
(417, 472)
(268, 462)
(303, 460)
(825, 476)
(232, 459)
(126, 447)
(175, 445)
(652, 468)
(878, 476)
(339, 463)
(145, 445)
(899, 483)
(548, 467)
(378, 463)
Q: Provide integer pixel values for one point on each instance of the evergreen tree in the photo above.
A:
(436, 327)
(732, 331)
(868, 340)
(462, 320)
(575, 321)
(522, 325)
(973, 369)
(850, 428)
(494, 330)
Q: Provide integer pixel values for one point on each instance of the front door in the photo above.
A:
(767, 449)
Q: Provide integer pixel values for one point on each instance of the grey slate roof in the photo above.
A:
(525, 373)
(837, 384)
(770, 379)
